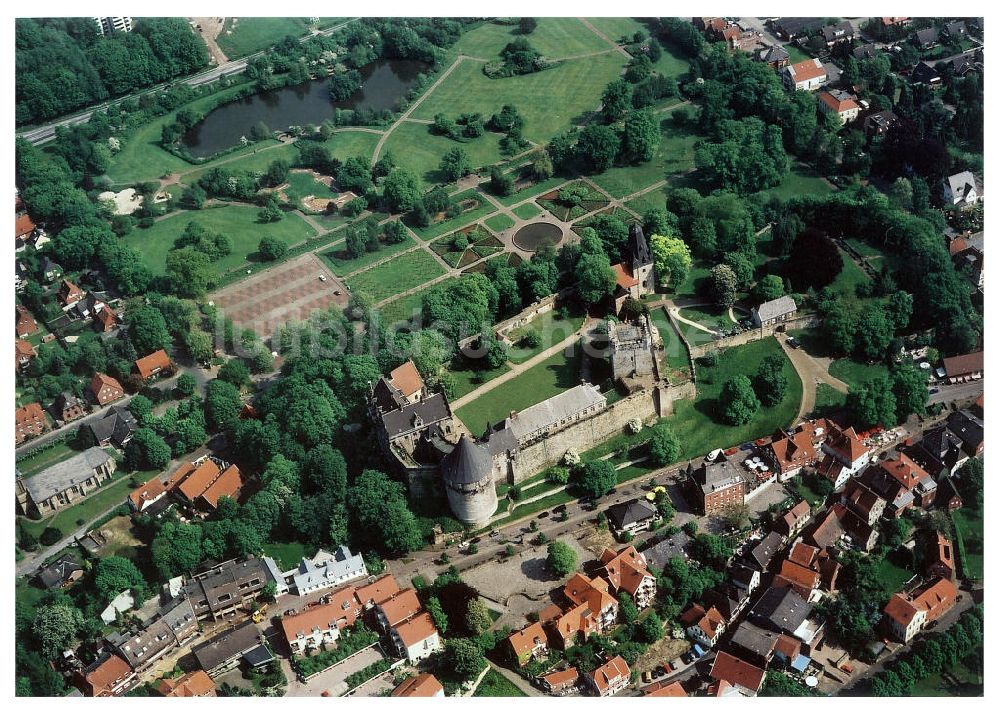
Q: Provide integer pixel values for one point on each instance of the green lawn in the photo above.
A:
(970, 683)
(45, 459)
(405, 308)
(468, 379)
(674, 156)
(550, 377)
(239, 223)
(302, 184)
(255, 161)
(554, 37)
(697, 423)
(550, 101)
(500, 222)
(864, 248)
(552, 330)
(484, 208)
(969, 535)
(108, 496)
(895, 570)
(799, 181)
(674, 352)
(649, 200)
(414, 147)
(539, 187)
(257, 33)
(709, 316)
(494, 685)
(287, 554)
(850, 277)
(695, 280)
(528, 210)
(828, 400)
(672, 62)
(796, 54)
(855, 373)
(618, 28)
(397, 275)
(341, 264)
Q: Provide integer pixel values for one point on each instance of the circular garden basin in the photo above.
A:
(537, 234)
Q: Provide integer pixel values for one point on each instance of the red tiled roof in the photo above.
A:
(612, 670)
(937, 598)
(626, 570)
(845, 441)
(424, 685)
(228, 484)
(806, 70)
(904, 470)
(23, 225)
(736, 671)
(26, 324)
(199, 479)
(70, 292)
(594, 592)
(803, 554)
(104, 677)
(708, 621)
(406, 379)
(400, 606)
(788, 646)
(341, 611)
(524, 640)
(624, 277)
(378, 590)
(838, 105)
(558, 678)
(23, 350)
(417, 629)
(900, 610)
(147, 492)
(107, 318)
(963, 364)
(105, 388)
(152, 363)
(189, 685)
(670, 690)
(28, 414)
(804, 580)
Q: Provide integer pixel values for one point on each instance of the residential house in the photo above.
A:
(715, 486)
(967, 255)
(924, 73)
(223, 652)
(761, 555)
(173, 626)
(560, 682)
(24, 353)
(415, 638)
(788, 28)
(774, 312)
(670, 547)
(377, 591)
(321, 624)
(64, 483)
(846, 455)
(895, 21)
(142, 497)
(424, 685)
(627, 572)
(69, 294)
(785, 611)
(792, 521)
(956, 30)
(926, 38)
(106, 320)
(843, 104)
(746, 678)
(948, 496)
(753, 644)
(119, 605)
(222, 590)
(610, 678)
(837, 523)
(24, 323)
(68, 407)
(114, 427)
(528, 644)
(961, 190)
(29, 421)
(775, 57)
(801, 579)
(632, 517)
(866, 51)
(209, 481)
(666, 690)
(61, 572)
(108, 676)
(24, 228)
(879, 123)
(152, 365)
(105, 389)
(326, 570)
(190, 685)
(868, 505)
(939, 452)
(907, 614)
(728, 598)
(397, 608)
(837, 33)
(939, 558)
(704, 626)
(806, 75)
(964, 368)
(593, 593)
(818, 561)
(969, 429)
(912, 478)
(51, 270)
(789, 454)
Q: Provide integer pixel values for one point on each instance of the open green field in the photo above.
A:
(528, 210)
(256, 161)
(288, 555)
(709, 316)
(674, 156)
(695, 281)
(672, 62)
(341, 264)
(550, 377)
(828, 400)
(673, 349)
(397, 275)
(850, 277)
(552, 330)
(550, 101)
(855, 373)
(697, 423)
(494, 685)
(895, 570)
(302, 184)
(800, 181)
(618, 28)
(404, 308)
(969, 535)
(415, 147)
(245, 35)
(468, 379)
(555, 37)
(499, 223)
(650, 200)
(239, 223)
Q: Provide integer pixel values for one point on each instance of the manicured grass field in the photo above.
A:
(895, 570)
(288, 555)
(254, 161)
(406, 307)
(709, 316)
(484, 208)
(618, 28)
(673, 349)
(850, 277)
(554, 37)
(468, 379)
(414, 147)
(800, 181)
(697, 422)
(302, 184)
(796, 54)
(341, 265)
(969, 533)
(257, 33)
(696, 277)
(674, 156)
(855, 373)
(400, 274)
(552, 330)
(672, 62)
(548, 378)
(494, 685)
(239, 223)
(528, 210)
(550, 101)
(828, 400)
(649, 200)
(500, 222)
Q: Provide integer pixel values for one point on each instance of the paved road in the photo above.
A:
(40, 135)
(811, 373)
(957, 392)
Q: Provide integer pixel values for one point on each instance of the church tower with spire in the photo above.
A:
(640, 260)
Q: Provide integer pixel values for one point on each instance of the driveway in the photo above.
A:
(812, 373)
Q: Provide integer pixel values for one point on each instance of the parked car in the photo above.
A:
(792, 342)
(543, 515)
(647, 677)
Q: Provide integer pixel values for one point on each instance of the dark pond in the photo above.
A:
(535, 235)
(385, 83)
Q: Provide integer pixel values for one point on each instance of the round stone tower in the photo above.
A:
(468, 479)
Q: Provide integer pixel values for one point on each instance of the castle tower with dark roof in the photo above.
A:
(468, 480)
(640, 258)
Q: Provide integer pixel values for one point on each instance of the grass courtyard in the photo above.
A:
(549, 377)
(287, 554)
(239, 223)
(800, 180)
(400, 274)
